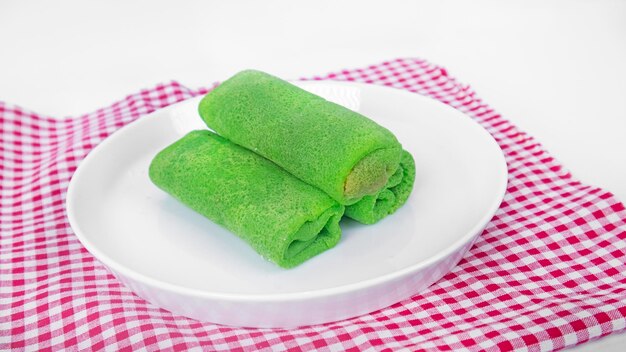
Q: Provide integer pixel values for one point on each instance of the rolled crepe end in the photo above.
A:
(371, 173)
(402, 189)
(372, 208)
(313, 238)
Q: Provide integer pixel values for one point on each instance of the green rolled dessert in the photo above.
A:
(340, 151)
(284, 219)
(371, 209)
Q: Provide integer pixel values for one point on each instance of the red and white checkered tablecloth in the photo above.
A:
(547, 272)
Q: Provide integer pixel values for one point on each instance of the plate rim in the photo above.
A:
(120, 269)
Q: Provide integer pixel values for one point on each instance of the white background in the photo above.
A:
(557, 69)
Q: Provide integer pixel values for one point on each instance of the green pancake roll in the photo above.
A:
(371, 209)
(285, 220)
(340, 151)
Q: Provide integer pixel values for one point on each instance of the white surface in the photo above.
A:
(555, 68)
(117, 212)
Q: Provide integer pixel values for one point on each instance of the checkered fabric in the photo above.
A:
(546, 273)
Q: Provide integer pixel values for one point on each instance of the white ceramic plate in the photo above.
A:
(182, 262)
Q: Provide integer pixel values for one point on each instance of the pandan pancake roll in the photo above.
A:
(284, 219)
(333, 148)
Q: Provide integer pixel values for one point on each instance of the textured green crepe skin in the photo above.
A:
(341, 152)
(371, 209)
(284, 219)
